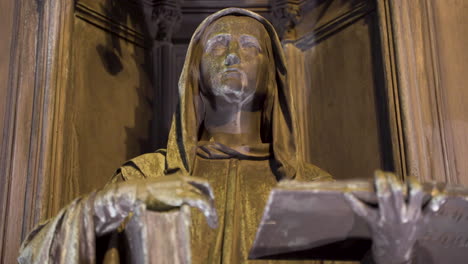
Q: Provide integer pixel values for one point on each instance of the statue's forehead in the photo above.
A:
(238, 25)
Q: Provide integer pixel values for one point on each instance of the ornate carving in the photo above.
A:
(162, 17)
(286, 15)
(333, 25)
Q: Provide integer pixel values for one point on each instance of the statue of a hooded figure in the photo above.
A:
(232, 138)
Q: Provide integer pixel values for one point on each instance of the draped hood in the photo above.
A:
(277, 124)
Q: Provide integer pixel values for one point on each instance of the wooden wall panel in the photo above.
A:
(425, 59)
(29, 128)
(342, 108)
(109, 107)
(37, 162)
(450, 40)
(320, 14)
(109, 101)
(6, 29)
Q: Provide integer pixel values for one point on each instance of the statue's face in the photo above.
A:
(234, 62)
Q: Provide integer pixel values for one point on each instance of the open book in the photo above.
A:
(314, 221)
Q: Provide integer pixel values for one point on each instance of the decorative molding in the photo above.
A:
(286, 15)
(392, 89)
(334, 25)
(39, 67)
(162, 18)
(413, 82)
(211, 6)
(195, 11)
(447, 139)
(102, 21)
(210, 10)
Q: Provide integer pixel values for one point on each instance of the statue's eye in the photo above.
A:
(218, 48)
(217, 45)
(250, 44)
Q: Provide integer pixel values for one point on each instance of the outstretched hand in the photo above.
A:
(397, 223)
(116, 201)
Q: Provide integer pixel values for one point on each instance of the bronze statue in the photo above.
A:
(232, 130)
(231, 141)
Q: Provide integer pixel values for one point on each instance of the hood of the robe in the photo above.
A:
(277, 119)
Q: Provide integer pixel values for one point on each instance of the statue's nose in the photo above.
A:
(232, 59)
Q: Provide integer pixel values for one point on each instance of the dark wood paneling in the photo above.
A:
(29, 128)
(328, 18)
(346, 121)
(425, 63)
(451, 42)
(109, 101)
(6, 29)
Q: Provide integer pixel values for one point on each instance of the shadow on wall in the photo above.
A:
(124, 13)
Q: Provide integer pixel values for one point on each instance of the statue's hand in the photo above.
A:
(396, 224)
(116, 201)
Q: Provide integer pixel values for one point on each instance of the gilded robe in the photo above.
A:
(241, 181)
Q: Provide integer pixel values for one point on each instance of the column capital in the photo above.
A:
(162, 18)
(286, 15)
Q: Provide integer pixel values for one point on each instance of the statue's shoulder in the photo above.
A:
(149, 165)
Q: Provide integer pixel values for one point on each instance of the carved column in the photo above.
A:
(162, 18)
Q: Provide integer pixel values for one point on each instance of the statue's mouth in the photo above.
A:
(231, 83)
(233, 73)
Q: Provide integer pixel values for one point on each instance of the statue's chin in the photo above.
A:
(232, 86)
(235, 95)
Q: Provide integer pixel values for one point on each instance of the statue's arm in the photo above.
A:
(70, 236)
(59, 239)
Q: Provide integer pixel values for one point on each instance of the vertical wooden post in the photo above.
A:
(413, 83)
(32, 124)
(162, 17)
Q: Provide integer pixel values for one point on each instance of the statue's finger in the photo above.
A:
(416, 197)
(203, 186)
(205, 205)
(166, 181)
(384, 195)
(437, 202)
(397, 196)
(163, 199)
(163, 195)
(195, 197)
(361, 209)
